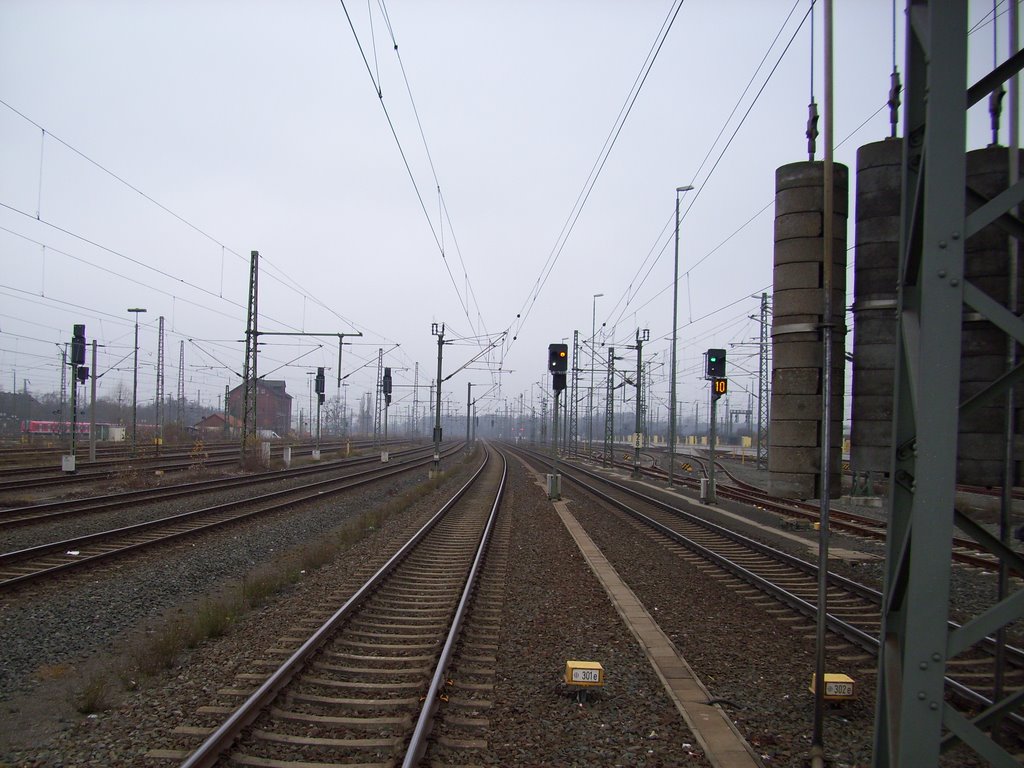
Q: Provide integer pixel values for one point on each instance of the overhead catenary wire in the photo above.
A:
(443, 213)
(274, 272)
(113, 272)
(710, 174)
(978, 27)
(989, 18)
(405, 161)
(595, 172)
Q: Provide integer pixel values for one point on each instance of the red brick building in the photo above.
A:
(273, 406)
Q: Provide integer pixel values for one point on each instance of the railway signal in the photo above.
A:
(715, 364)
(387, 386)
(320, 385)
(558, 364)
(78, 345)
(558, 358)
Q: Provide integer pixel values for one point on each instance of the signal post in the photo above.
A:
(320, 389)
(387, 389)
(558, 365)
(79, 374)
(715, 373)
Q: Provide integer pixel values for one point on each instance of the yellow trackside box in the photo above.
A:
(584, 673)
(837, 687)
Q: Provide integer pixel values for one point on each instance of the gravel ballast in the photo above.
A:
(756, 664)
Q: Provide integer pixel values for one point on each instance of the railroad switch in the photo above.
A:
(838, 687)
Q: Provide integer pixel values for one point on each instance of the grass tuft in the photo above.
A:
(159, 650)
(96, 695)
(215, 617)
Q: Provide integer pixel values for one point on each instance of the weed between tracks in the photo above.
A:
(215, 616)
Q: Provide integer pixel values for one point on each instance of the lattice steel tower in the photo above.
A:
(416, 401)
(251, 343)
(378, 401)
(181, 384)
(609, 412)
(915, 720)
(763, 394)
(160, 383)
(572, 446)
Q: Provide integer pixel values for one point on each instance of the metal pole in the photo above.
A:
(436, 470)
(1006, 505)
(817, 735)
(639, 400)
(135, 380)
(554, 427)
(74, 409)
(593, 364)
(92, 406)
(712, 496)
(675, 337)
(469, 414)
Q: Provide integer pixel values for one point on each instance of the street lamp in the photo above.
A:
(593, 363)
(675, 325)
(135, 379)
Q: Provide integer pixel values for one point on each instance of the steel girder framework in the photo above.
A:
(251, 344)
(914, 721)
(160, 385)
(763, 393)
(572, 448)
(180, 418)
(609, 413)
(378, 399)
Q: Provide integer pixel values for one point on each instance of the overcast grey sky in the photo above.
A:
(256, 126)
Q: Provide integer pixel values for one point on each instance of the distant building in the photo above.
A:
(212, 427)
(273, 406)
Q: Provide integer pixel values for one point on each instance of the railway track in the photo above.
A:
(21, 477)
(46, 560)
(364, 687)
(11, 517)
(791, 583)
(965, 552)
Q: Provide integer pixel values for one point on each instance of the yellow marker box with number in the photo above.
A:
(837, 687)
(587, 673)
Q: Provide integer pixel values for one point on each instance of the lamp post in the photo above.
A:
(675, 325)
(135, 379)
(593, 363)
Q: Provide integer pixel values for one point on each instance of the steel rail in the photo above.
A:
(210, 751)
(100, 469)
(848, 522)
(34, 513)
(849, 632)
(424, 725)
(43, 550)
